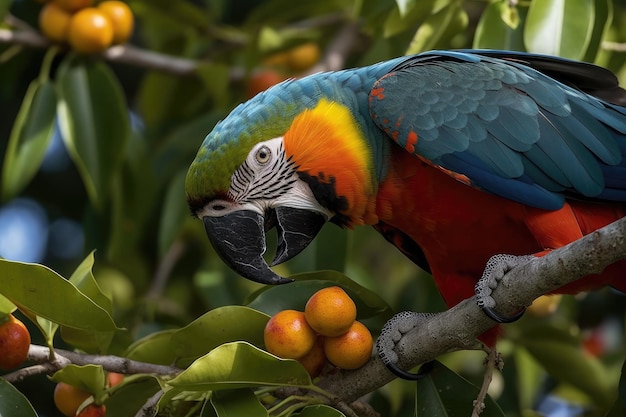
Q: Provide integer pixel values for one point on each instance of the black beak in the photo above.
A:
(239, 239)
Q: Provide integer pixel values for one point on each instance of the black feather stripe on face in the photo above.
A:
(323, 189)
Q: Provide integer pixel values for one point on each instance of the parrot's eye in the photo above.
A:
(263, 155)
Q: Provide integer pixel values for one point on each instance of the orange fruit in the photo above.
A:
(68, 398)
(90, 31)
(115, 378)
(288, 335)
(54, 22)
(304, 56)
(261, 81)
(315, 360)
(330, 311)
(121, 18)
(73, 5)
(92, 410)
(350, 350)
(14, 343)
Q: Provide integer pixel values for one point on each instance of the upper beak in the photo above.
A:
(239, 239)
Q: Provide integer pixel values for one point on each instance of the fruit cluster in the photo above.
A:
(327, 331)
(88, 29)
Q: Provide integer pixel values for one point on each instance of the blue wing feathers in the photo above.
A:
(517, 125)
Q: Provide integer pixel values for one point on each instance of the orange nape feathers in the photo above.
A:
(327, 143)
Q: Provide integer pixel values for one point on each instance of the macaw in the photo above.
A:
(453, 156)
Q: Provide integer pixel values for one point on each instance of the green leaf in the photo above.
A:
(404, 6)
(94, 123)
(272, 299)
(13, 403)
(128, 399)
(240, 365)
(90, 378)
(397, 22)
(219, 326)
(175, 212)
(619, 408)
(566, 362)
(42, 291)
(446, 394)
(559, 27)
(154, 348)
(319, 411)
(601, 26)
(499, 28)
(6, 306)
(29, 139)
(437, 27)
(238, 402)
(89, 340)
(5, 5)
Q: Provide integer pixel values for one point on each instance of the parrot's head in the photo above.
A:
(292, 165)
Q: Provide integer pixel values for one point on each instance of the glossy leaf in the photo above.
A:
(499, 28)
(47, 294)
(94, 123)
(128, 399)
(603, 17)
(559, 27)
(155, 348)
(219, 326)
(239, 365)
(29, 139)
(90, 378)
(272, 299)
(235, 403)
(13, 403)
(444, 393)
(6, 306)
(89, 340)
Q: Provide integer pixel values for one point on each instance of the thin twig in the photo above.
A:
(149, 409)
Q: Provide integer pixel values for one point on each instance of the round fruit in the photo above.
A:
(73, 5)
(68, 398)
(261, 81)
(288, 335)
(330, 311)
(315, 360)
(350, 350)
(304, 56)
(92, 410)
(115, 378)
(90, 31)
(54, 22)
(121, 18)
(545, 305)
(14, 343)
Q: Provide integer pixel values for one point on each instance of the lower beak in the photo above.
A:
(239, 239)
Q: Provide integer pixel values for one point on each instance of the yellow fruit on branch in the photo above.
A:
(54, 22)
(121, 18)
(288, 335)
(90, 31)
(330, 311)
(350, 350)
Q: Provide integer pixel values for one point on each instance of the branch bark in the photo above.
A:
(458, 327)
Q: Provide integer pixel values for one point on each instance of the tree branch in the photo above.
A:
(458, 327)
(41, 355)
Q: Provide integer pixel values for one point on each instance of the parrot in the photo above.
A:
(453, 156)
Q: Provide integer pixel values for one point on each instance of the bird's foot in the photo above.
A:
(391, 333)
(496, 268)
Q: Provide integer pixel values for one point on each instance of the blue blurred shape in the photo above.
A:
(66, 240)
(23, 231)
(553, 406)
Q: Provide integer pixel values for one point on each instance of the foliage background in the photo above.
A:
(107, 175)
